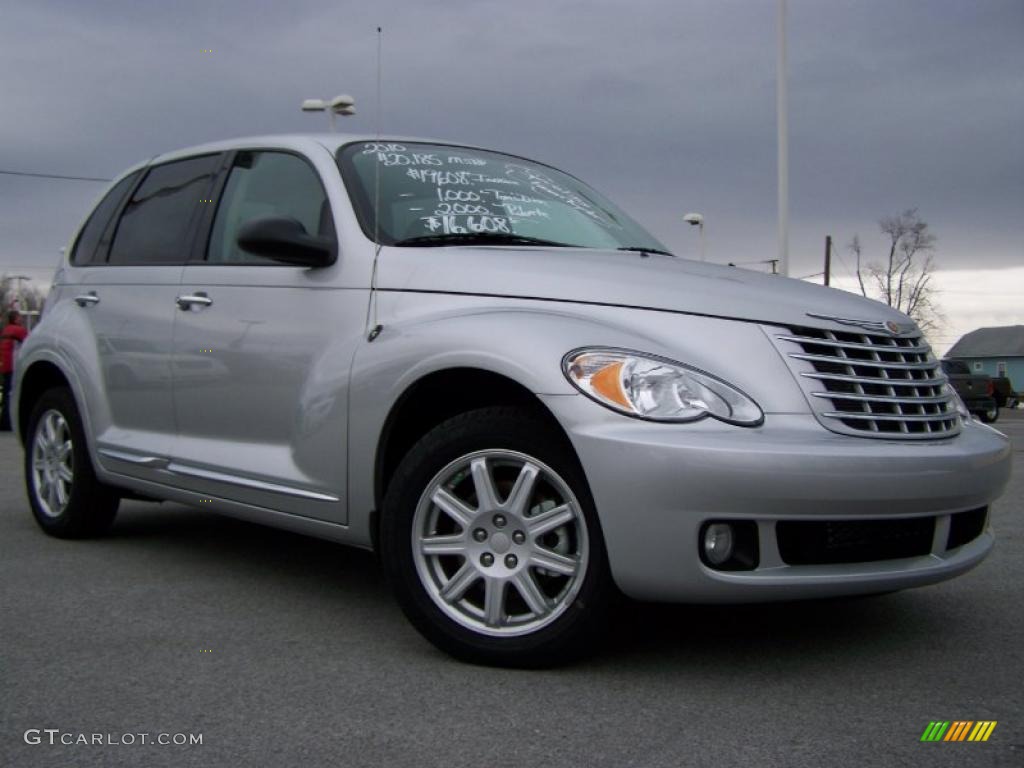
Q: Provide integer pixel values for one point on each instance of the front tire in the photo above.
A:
(66, 498)
(490, 539)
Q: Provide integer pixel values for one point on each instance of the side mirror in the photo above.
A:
(284, 239)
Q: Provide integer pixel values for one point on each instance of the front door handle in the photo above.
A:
(87, 299)
(193, 299)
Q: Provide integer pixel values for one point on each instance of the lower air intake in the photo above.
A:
(829, 542)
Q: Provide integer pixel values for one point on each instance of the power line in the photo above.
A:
(52, 176)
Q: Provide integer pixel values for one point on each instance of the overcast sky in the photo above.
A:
(667, 106)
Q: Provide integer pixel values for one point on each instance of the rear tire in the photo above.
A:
(491, 541)
(989, 416)
(66, 498)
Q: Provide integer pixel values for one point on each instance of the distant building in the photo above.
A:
(995, 351)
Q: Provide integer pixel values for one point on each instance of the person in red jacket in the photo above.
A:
(13, 333)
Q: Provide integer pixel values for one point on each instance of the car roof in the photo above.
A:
(298, 141)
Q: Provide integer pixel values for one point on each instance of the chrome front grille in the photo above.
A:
(870, 385)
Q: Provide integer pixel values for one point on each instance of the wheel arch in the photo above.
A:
(39, 377)
(436, 397)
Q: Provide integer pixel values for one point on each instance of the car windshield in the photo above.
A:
(438, 194)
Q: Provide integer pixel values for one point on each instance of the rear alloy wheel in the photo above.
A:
(52, 463)
(66, 498)
(990, 415)
(490, 539)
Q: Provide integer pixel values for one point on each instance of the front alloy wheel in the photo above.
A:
(500, 543)
(490, 539)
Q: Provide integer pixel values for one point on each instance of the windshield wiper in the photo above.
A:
(638, 249)
(478, 238)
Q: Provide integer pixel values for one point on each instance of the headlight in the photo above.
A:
(650, 387)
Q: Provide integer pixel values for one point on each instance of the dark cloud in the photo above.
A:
(666, 106)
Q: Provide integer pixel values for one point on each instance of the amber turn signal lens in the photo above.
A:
(607, 382)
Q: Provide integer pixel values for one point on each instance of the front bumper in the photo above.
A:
(655, 484)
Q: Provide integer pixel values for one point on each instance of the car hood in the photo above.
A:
(621, 278)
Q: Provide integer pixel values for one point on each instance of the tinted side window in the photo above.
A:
(85, 251)
(955, 367)
(156, 225)
(267, 184)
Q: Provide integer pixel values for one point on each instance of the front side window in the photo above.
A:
(436, 194)
(157, 223)
(90, 246)
(267, 184)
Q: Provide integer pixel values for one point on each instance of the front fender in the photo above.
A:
(427, 333)
(525, 341)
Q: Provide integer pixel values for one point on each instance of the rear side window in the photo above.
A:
(955, 367)
(156, 226)
(88, 248)
(267, 184)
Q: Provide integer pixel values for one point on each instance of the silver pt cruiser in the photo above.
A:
(484, 370)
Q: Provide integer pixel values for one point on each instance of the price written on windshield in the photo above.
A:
(474, 194)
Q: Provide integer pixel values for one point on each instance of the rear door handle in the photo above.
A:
(87, 299)
(193, 299)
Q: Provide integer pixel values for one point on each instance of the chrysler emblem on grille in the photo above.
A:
(884, 326)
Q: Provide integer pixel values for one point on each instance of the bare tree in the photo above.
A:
(904, 279)
(16, 294)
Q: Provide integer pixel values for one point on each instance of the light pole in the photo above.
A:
(342, 104)
(782, 130)
(697, 220)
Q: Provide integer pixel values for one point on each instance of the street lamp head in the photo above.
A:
(342, 102)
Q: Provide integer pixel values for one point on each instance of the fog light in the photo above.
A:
(718, 543)
(729, 546)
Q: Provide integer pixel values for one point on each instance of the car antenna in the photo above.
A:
(374, 326)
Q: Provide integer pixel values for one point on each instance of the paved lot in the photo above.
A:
(311, 663)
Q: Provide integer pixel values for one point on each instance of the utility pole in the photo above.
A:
(828, 258)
